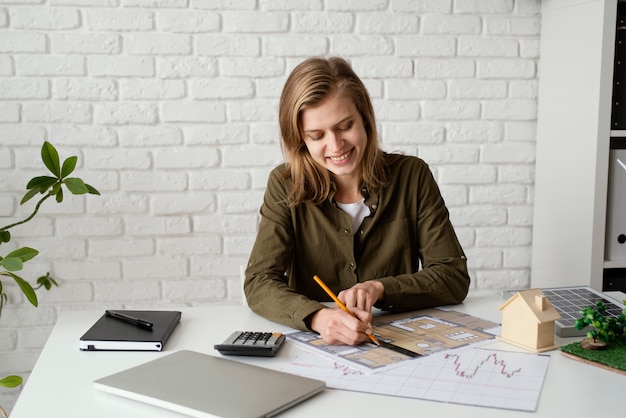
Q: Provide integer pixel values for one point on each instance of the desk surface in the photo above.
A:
(61, 382)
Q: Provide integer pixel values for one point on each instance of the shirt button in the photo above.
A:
(346, 231)
(352, 265)
(374, 206)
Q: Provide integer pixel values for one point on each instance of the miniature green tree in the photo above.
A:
(603, 327)
(48, 186)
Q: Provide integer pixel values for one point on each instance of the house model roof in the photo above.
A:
(537, 302)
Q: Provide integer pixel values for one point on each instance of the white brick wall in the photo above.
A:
(170, 106)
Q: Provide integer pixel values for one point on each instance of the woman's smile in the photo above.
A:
(342, 158)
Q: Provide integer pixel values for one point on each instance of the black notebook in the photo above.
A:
(110, 333)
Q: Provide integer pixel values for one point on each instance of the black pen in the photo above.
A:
(130, 319)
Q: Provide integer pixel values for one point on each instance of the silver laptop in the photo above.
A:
(201, 385)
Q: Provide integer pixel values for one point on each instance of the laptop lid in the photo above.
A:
(201, 385)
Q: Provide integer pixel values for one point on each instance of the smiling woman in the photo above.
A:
(336, 139)
(342, 209)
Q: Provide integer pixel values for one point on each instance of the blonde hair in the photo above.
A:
(312, 81)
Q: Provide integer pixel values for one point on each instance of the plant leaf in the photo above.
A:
(5, 236)
(50, 158)
(27, 289)
(47, 281)
(24, 253)
(11, 381)
(3, 301)
(55, 188)
(41, 183)
(92, 190)
(12, 263)
(75, 185)
(29, 195)
(68, 166)
(59, 196)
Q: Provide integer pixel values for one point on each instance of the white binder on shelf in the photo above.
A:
(616, 210)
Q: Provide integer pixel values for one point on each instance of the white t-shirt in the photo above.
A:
(357, 212)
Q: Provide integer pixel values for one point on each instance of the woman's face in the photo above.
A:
(335, 136)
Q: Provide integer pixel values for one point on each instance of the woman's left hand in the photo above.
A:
(363, 295)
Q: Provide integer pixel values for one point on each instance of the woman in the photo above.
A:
(341, 208)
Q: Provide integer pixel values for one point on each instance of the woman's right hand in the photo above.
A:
(336, 326)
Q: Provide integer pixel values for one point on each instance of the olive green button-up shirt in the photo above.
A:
(408, 227)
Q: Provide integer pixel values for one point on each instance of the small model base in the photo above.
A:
(533, 349)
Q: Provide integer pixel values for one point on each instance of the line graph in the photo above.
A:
(458, 367)
(470, 376)
(345, 370)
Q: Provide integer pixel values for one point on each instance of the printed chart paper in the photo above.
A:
(470, 376)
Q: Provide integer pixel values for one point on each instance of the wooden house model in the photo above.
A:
(528, 321)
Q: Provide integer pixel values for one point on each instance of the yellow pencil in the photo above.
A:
(340, 303)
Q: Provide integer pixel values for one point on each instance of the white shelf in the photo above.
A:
(573, 138)
(614, 264)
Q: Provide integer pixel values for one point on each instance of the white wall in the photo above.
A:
(170, 106)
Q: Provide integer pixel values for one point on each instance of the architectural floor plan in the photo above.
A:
(405, 337)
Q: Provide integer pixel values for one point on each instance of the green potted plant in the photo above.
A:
(48, 186)
(604, 329)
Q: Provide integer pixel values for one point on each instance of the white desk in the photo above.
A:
(61, 382)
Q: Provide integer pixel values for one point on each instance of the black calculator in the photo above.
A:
(251, 343)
